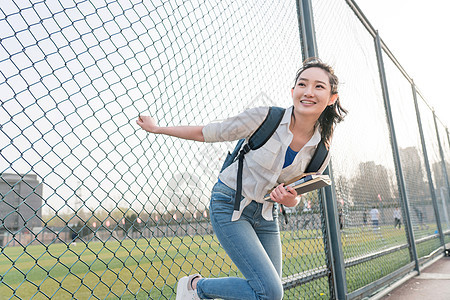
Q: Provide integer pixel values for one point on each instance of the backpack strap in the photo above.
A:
(267, 128)
(318, 158)
(257, 140)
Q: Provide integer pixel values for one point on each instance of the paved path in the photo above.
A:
(433, 283)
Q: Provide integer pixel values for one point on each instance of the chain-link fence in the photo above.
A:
(387, 169)
(92, 207)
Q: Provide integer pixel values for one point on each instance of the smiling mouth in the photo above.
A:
(307, 102)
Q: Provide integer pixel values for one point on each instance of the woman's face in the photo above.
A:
(312, 93)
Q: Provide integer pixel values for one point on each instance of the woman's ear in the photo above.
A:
(292, 92)
(333, 99)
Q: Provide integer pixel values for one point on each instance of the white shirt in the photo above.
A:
(397, 214)
(262, 168)
(374, 214)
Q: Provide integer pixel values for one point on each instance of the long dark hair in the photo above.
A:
(334, 113)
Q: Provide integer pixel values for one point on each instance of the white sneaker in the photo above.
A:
(185, 290)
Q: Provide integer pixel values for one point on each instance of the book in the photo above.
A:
(306, 184)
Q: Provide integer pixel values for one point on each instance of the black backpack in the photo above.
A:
(257, 140)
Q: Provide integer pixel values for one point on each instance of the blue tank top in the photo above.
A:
(289, 157)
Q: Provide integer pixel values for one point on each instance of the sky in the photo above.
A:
(415, 31)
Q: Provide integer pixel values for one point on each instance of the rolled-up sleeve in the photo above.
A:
(234, 128)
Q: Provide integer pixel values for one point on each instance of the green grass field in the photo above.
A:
(149, 269)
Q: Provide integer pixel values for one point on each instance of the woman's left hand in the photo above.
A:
(285, 195)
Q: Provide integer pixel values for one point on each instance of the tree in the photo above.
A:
(132, 223)
(127, 222)
(82, 229)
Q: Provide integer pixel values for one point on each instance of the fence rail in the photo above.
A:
(91, 207)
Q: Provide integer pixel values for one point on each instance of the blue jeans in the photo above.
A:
(253, 244)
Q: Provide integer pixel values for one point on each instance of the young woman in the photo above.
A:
(251, 235)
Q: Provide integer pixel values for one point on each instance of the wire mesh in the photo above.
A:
(91, 207)
(305, 265)
(367, 187)
(435, 163)
(412, 156)
(410, 151)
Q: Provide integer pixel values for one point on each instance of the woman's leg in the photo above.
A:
(247, 242)
(269, 235)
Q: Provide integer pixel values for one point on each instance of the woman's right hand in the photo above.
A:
(194, 133)
(285, 195)
(147, 123)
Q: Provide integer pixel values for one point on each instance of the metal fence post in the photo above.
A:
(448, 137)
(335, 253)
(444, 173)
(334, 236)
(398, 166)
(306, 26)
(427, 166)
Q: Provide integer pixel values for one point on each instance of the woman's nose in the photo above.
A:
(309, 91)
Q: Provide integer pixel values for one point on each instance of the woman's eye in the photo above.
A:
(301, 84)
(320, 87)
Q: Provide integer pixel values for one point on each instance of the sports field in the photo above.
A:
(148, 269)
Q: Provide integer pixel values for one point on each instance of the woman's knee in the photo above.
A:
(273, 291)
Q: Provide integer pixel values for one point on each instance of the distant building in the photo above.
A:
(20, 202)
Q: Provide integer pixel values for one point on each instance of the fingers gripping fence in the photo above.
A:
(92, 207)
